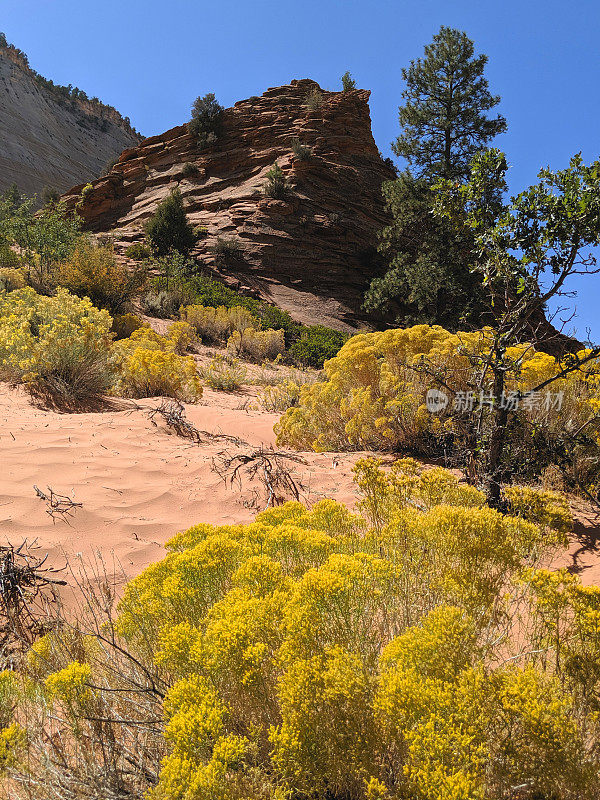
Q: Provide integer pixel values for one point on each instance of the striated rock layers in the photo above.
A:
(313, 252)
(47, 138)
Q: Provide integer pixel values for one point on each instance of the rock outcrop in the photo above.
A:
(313, 252)
(49, 138)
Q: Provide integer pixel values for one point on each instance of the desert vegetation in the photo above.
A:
(419, 644)
(445, 660)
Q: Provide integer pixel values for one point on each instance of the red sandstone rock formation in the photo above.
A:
(312, 253)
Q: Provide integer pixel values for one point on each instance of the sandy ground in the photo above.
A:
(139, 484)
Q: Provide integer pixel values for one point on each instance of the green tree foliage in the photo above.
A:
(168, 229)
(429, 278)
(444, 123)
(207, 120)
(527, 251)
(444, 118)
(316, 345)
(44, 238)
(348, 82)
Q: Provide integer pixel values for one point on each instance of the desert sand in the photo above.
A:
(139, 483)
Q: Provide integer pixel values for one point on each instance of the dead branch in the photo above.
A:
(173, 413)
(26, 586)
(58, 504)
(270, 467)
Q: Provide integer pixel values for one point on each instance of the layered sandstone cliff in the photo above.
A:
(312, 253)
(48, 138)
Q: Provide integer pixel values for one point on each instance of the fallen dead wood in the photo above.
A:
(58, 505)
(271, 468)
(173, 414)
(26, 587)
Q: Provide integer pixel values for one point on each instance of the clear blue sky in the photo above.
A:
(151, 58)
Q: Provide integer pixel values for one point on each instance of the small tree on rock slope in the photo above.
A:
(168, 229)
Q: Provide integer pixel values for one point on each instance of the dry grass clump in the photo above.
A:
(225, 373)
(279, 397)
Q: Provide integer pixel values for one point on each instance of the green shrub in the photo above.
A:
(138, 251)
(316, 345)
(9, 258)
(276, 185)
(302, 152)
(168, 229)
(207, 120)
(163, 304)
(189, 170)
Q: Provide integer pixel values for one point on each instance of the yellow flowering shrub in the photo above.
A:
(95, 272)
(257, 345)
(11, 279)
(375, 391)
(57, 346)
(347, 656)
(150, 365)
(217, 324)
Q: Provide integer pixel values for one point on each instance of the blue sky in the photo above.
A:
(151, 58)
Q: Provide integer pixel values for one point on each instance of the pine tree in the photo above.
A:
(444, 125)
(207, 120)
(348, 82)
(168, 230)
(444, 118)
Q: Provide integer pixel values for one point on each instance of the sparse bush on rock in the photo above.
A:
(207, 120)
(276, 184)
(138, 251)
